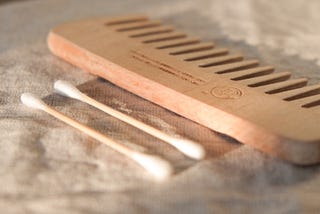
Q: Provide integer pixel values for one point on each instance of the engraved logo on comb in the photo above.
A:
(226, 92)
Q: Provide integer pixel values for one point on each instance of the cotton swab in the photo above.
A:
(187, 147)
(160, 168)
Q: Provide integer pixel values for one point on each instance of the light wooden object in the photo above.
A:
(222, 91)
(160, 168)
(187, 147)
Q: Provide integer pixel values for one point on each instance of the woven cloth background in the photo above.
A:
(48, 167)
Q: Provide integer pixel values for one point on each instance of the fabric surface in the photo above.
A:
(49, 167)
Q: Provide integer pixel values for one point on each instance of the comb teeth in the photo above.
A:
(300, 92)
(191, 48)
(162, 37)
(217, 60)
(137, 25)
(308, 102)
(266, 79)
(177, 43)
(127, 20)
(233, 67)
(150, 31)
(249, 73)
(204, 54)
(283, 86)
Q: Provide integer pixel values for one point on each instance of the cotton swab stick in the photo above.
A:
(160, 168)
(187, 147)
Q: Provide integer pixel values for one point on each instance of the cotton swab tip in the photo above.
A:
(189, 148)
(160, 168)
(67, 89)
(32, 101)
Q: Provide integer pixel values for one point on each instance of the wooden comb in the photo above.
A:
(222, 91)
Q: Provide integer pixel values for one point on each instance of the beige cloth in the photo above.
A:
(48, 167)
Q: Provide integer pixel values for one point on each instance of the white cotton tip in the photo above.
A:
(157, 166)
(32, 101)
(189, 148)
(67, 89)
